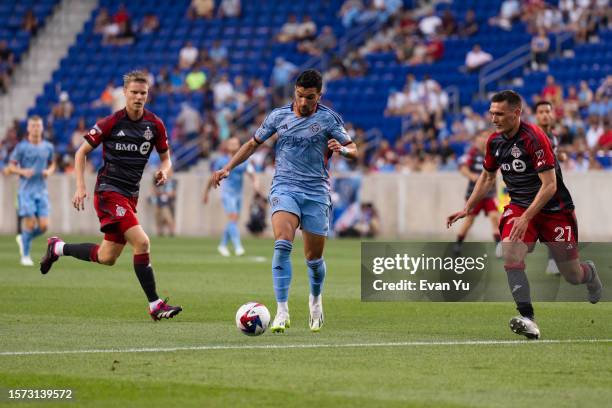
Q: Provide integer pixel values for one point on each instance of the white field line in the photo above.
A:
(307, 346)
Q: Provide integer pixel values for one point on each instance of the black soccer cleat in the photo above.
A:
(47, 260)
(165, 311)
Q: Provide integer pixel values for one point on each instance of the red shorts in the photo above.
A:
(117, 214)
(558, 230)
(487, 204)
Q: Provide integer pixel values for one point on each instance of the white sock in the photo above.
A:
(58, 248)
(153, 305)
(282, 307)
(314, 300)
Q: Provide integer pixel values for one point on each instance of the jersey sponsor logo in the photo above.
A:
(144, 148)
(315, 128)
(148, 134)
(120, 211)
(126, 147)
(517, 165)
(121, 133)
(515, 151)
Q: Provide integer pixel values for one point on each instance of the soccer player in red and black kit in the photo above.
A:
(471, 166)
(540, 208)
(545, 119)
(128, 137)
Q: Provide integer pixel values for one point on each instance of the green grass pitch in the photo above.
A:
(86, 307)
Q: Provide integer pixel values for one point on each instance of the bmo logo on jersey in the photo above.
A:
(131, 147)
(517, 165)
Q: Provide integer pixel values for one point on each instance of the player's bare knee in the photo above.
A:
(142, 245)
(106, 259)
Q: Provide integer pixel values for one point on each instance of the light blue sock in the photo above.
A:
(225, 235)
(234, 234)
(26, 239)
(316, 273)
(281, 269)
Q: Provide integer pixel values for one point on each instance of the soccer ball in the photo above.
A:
(252, 318)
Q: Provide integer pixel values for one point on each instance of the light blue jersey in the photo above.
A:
(231, 189)
(301, 150)
(33, 156)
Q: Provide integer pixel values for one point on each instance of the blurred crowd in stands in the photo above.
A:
(433, 137)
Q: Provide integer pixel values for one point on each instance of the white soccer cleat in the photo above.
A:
(26, 261)
(19, 244)
(280, 323)
(239, 251)
(552, 268)
(499, 250)
(525, 327)
(223, 250)
(316, 317)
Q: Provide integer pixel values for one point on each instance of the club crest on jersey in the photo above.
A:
(275, 201)
(148, 134)
(120, 211)
(315, 128)
(515, 151)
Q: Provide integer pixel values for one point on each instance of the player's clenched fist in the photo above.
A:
(161, 177)
(78, 201)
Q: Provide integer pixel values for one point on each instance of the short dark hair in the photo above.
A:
(311, 78)
(540, 103)
(513, 98)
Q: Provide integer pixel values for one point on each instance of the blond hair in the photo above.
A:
(135, 76)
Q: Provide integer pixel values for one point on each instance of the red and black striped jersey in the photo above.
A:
(474, 160)
(521, 158)
(127, 145)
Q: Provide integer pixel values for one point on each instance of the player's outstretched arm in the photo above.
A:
(245, 151)
(485, 183)
(13, 168)
(80, 159)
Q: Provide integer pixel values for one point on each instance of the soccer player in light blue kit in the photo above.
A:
(32, 160)
(308, 134)
(231, 195)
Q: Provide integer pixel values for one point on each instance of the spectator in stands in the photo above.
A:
(7, 65)
(122, 15)
(449, 23)
(552, 92)
(102, 21)
(201, 9)
(282, 73)
(307, 29)
(509, 13)
(605, 141)
(430, 24)
(601, 106)
(435, 49)
(230, 9)
(224, 92)
(585, 95)
(349, 12)
(355, 65)
(605, 89)
(594, 131)
(325, 41)
(289, 30)
(64, 108)
(358, 220)
(125, 35)
(149, 25)
(476, 58)
(549, 19)
(188, 55)
(540, 46)
(76, 140)
(196, 78)
(218, 53)
(571, 104)
(162, 81)
(469, 26)
(30, 23)
(177, 80)
(188, 122)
